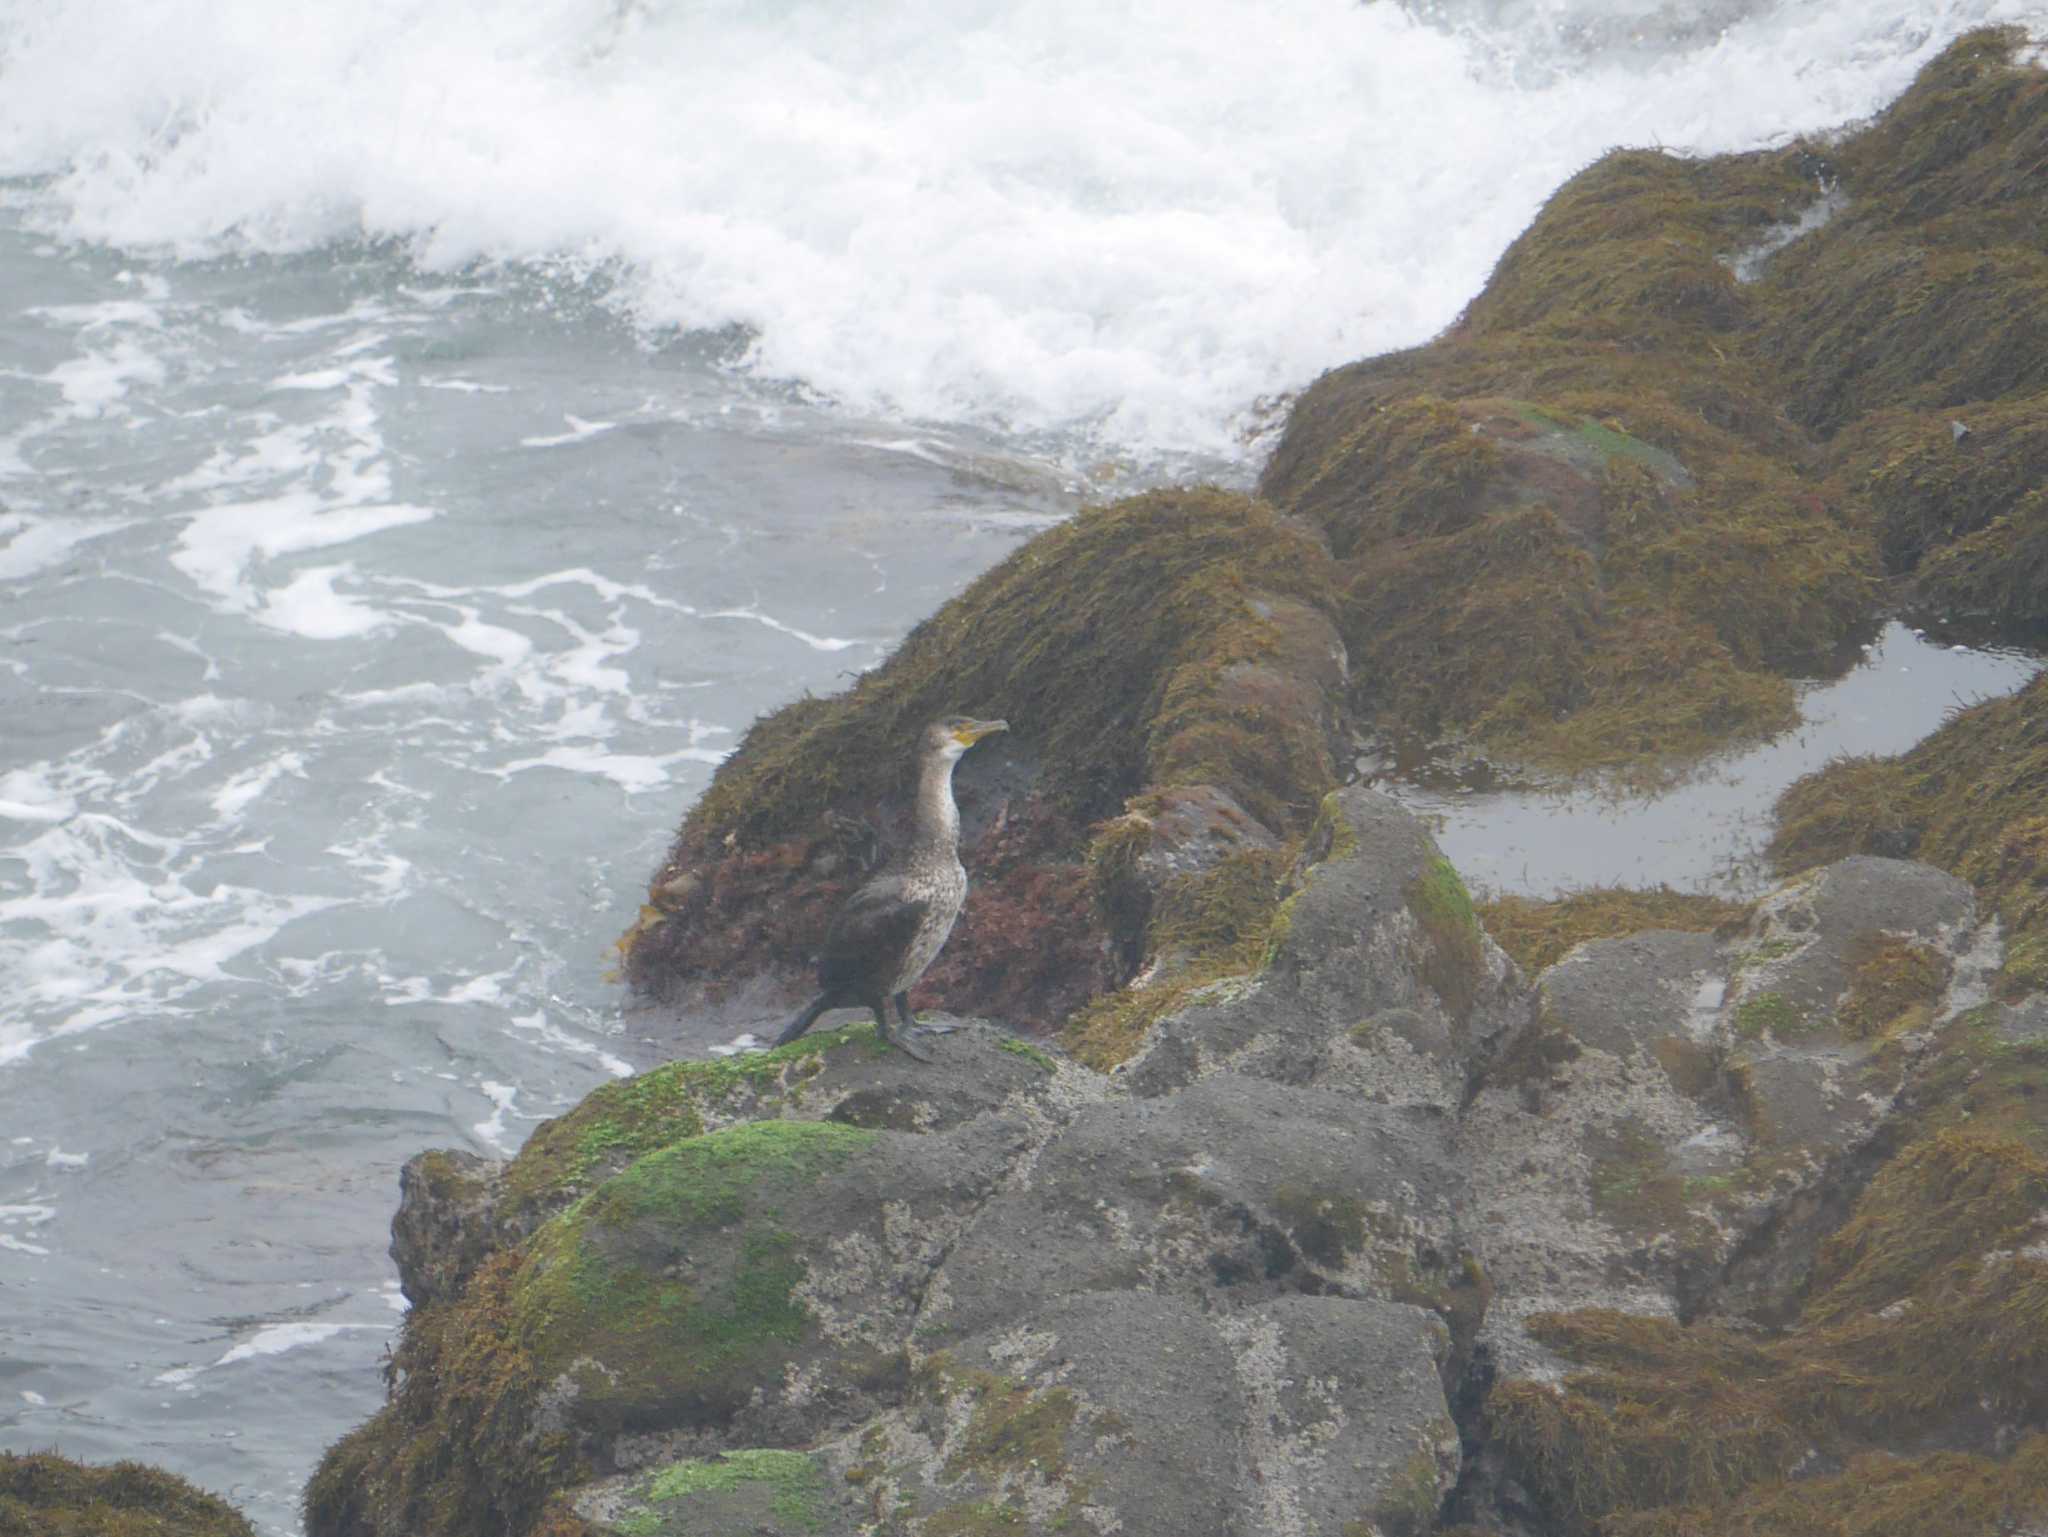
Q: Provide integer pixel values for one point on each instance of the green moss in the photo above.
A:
(1454, 960)
(1773, 1014)
(597, 1285)
(794, 1486)
(455, 1453)
(2025, 969)
(1409, 1506)
(1633, 1185)
(619, 1121)
(45, 1495)
(1539, 934)
(1011, 1428)
(1028, 1052)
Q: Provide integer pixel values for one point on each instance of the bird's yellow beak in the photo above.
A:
(967, 733)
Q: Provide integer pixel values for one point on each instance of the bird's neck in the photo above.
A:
(937, 832)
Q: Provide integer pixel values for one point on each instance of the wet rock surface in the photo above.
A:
(1298, 1285)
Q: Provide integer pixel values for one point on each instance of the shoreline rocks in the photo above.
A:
(1322, 1218)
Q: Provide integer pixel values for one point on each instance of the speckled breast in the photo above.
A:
(943, 890)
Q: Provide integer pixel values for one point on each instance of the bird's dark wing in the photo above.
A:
(869, 938)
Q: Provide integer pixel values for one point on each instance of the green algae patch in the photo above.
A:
(1454, 962)
(45, 1495)
(1028, 1052)
(1541, 933)
(618, 1122)
(1011, 1428)
(1632, 1185)
(624, 1293)
(1771, 1014)
(2025, 969)
(764, 1491)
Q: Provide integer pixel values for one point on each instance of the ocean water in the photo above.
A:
(430, 432)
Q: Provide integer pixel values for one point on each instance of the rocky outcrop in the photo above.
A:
(1375, 1234)
(1702, 414)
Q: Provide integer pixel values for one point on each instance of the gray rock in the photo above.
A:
(1381, 981)
(446, 1224)
(1234, 1188)
(1348, 1419)
(1108, 1412)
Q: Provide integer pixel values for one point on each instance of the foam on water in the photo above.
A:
(1135, 220)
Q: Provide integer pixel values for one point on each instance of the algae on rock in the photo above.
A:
(45, 1495)
(1178, 638)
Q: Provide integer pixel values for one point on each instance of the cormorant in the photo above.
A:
(894, 926)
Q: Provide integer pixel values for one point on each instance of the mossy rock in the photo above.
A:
(1176, 638)
(45, 1495)
(758, 1492)
(1599, 521)
(693, 1288)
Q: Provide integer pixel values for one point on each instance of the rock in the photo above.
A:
(1349, 1428)
(1232, 1191)
(1076, 1414)
(1730, 1231)
(1380, 979)
(446, 1222)
(1200, 627)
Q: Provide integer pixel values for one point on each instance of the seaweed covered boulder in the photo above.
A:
(1702, 410)
(45, 1495)
(1180, 641)
(718, 1243)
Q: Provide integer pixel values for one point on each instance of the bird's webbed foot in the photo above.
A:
(905, 1040)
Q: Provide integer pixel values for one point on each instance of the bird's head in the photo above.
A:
(956, 733)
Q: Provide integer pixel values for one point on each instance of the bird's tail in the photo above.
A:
(805, 1020)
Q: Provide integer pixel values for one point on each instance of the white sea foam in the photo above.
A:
(271, 1340)
(503, 1096)
(1138, 215)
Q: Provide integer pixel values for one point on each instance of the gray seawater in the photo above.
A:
(362, 639)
